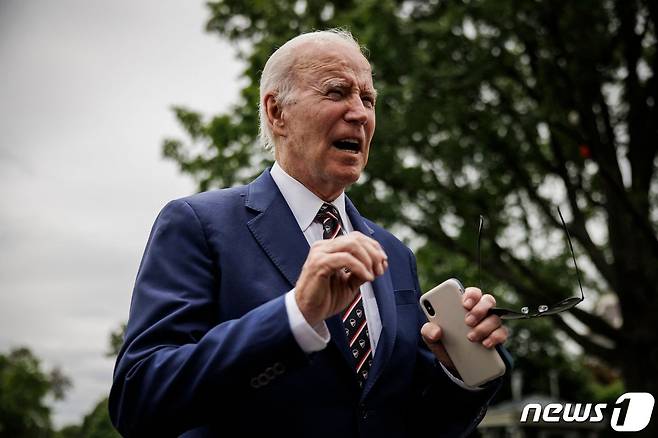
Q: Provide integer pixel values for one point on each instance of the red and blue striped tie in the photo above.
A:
(354, 316)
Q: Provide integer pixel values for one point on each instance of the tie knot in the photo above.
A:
(329, 218)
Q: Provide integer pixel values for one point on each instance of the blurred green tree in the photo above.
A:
(116, 341)
(96, 424)
(493, 107)
(24, 389)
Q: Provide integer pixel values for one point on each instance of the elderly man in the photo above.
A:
(275, 307)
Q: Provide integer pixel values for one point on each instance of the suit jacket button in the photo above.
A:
(254, 383)
(279, 368)
(269, 372)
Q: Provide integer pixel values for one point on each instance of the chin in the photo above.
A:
(347, 177)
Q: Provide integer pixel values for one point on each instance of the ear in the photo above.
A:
(274, 114)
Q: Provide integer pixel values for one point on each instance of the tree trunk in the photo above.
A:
(639, 361)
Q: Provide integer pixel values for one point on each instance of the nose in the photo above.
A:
(357, 113)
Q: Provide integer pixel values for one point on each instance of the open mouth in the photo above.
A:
(349, 145)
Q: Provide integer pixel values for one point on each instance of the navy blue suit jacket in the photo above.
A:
(209, 351)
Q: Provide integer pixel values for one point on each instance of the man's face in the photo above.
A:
(330, 119)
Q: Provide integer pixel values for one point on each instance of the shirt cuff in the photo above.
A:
(457, 381)
(310, 339)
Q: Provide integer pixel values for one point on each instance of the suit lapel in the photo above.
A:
(275, 228)
(277, 232)
(383, 288)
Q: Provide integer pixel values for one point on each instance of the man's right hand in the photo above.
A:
(333, 272)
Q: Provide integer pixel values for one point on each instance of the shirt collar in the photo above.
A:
(303, 203)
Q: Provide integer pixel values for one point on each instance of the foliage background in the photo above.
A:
(502, 108)
(506, 109)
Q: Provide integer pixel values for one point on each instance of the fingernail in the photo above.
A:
(471, 336)
(470, 319)
(468, 303)
(487, 343)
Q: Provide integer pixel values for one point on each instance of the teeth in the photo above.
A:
(352, 142)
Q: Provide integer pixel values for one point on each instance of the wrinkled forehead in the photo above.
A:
(321, 62)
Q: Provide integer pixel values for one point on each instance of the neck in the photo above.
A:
(326, 192)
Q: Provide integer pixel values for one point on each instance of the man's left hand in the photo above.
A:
(485, 329)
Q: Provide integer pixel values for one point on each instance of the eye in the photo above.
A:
(335, 93)
(368, 101)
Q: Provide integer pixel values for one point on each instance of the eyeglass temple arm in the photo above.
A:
(573, 255)
(500, 311)
(479, 251)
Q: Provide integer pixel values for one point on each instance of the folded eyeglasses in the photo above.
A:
(542, 310)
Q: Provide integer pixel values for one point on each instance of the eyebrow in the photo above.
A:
(346, 83)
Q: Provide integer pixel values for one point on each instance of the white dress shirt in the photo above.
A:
(304, 205)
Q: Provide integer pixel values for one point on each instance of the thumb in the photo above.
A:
(431, 333)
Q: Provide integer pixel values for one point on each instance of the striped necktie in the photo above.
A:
(354, 316)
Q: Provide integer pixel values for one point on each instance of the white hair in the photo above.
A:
(279, 74)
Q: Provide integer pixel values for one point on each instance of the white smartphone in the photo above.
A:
(475, 363)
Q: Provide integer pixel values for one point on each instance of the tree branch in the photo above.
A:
(585, 341)
(578, 228)
(642, 146)
(597, 324)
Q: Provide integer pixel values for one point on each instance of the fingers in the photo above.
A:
(487, 329)
(497, 337)
(333, 272)
(479, 308)
(471, 296)
(379, 257)
(489, 337)
(368, 251)
(326, 264)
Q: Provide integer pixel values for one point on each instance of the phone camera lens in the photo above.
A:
(428, 307)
